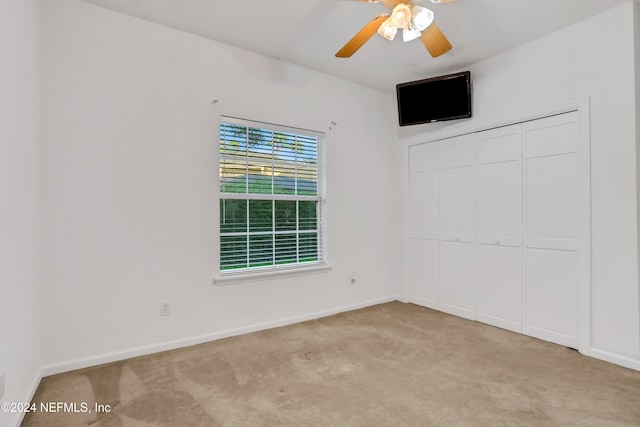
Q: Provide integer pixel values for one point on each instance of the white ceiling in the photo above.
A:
(310, 32)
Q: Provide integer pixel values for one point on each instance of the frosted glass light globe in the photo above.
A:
(400, 16)
(387, 30)
(422, 17)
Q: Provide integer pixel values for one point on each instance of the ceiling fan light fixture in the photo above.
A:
(410, 32)
(422, 17)
(400, 16)
(388, 30)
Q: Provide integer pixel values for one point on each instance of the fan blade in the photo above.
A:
(362, 37)
(435, 41)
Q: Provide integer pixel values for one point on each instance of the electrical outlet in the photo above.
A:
(165, 309)
(1, 384)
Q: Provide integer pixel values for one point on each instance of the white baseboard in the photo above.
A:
(31, 391)
(465, 313)
(186, 342)
(424, 302)
(624, 361)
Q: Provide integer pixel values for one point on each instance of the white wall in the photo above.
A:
(636, 55)
(130, 196)
(20, 47)
(594, 59)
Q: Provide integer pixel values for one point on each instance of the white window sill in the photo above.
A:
(230, 278)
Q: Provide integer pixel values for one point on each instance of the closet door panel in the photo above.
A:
(423, 204)
(552, 197)
(423, 157)
(551, 295)
(500, 199)
(499, 286)
(423, 266)
(457, 226)
(457, 152)
(422, 261)
(553, 217)
(551, 135)
(457, 200)
(499, 145)
(457, 278)
(499, 183)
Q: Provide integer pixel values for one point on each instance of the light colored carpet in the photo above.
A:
(389, 365)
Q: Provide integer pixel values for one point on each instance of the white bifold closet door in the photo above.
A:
(498, 228)
(423, 229)
(553, 201)
(457, 226)
(499, 182)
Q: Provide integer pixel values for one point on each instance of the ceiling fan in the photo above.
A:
(415, 22)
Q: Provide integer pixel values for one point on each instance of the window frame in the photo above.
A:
(229, 276)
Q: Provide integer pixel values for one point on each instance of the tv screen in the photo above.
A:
(435, 99)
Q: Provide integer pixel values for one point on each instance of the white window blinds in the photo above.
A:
(271, 197)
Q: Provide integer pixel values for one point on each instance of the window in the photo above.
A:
(271, 197)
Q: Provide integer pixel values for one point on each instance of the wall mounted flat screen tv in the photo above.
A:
(434, 100)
